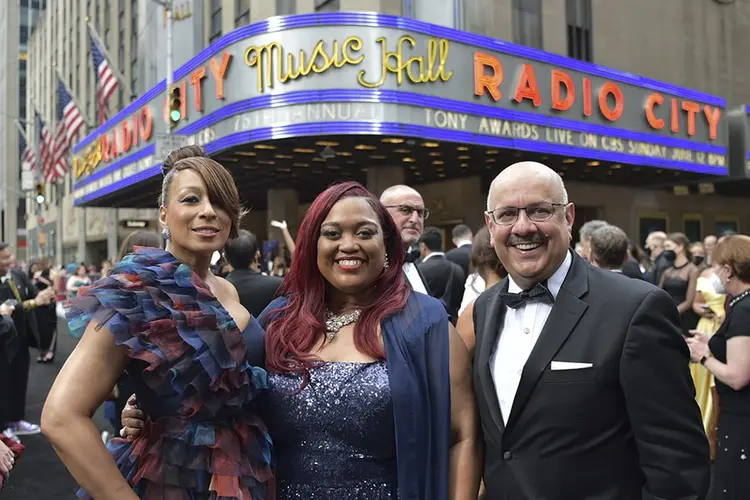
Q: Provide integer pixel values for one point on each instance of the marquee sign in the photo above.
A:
(455, 85)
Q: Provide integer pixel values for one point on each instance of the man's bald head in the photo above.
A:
(394, 193)
(527, 170)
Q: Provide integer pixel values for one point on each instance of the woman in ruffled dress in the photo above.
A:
(370, 390)
(191, 349)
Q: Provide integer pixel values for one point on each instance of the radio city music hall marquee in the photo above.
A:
(446, 80)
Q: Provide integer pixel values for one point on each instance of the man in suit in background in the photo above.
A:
(445, 279)
(256, 290)
(407, 208)
(582, 377)
(609, 249)
(462, 238)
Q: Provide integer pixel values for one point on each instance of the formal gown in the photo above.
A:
(702, 378)
(196, 377)
(677, 287)
(335, 438)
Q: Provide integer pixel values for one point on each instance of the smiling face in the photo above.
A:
(351, 248)
(530, 251)
(197, 224)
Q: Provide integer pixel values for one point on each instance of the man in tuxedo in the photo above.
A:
(462, 238)
(16, 288)
(581, 376)
(608, 248)
(407, 208)
(445, 279)
(256, 290)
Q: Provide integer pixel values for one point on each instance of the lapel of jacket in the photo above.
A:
(493, 322)
(566, 313)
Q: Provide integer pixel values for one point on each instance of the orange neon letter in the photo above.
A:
(587, 97)
(692, 109)
(196, 78)
(147, 123)
(654, 99)
(562, 78)
(483, 81)
(713, 115)
(611, 114)
(115, 147)
(136, 127)
(105, 148)
(219, 72)
(527, 87)
(127, 139)
(675, 115)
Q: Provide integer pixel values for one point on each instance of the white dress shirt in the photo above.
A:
(432, 254)
(414, 278)
(521, 329)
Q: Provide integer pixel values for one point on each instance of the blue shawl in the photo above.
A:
(417, 357)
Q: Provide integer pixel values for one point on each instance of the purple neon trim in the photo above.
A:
(141, 153)
(354, 128)
(276, 24)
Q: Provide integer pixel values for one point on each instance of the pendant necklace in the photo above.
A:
(335, 323)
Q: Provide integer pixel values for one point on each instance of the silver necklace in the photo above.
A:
(335, 323)
(739, 297)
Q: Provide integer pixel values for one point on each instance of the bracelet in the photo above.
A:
(705, 358)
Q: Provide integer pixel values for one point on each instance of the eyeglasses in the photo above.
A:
(407, 210)
(537, 212)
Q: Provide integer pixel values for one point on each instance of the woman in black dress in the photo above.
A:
(46, 316)
(727, 356)
(680, 280)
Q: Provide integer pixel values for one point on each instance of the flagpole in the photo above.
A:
(115, 70)
(72, 96)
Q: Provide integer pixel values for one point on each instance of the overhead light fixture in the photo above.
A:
(492, 151)
(441, 175)
(378, 157)
(331, 144)
(284, 157)
(283, 169)
(333, 167)
(402, 151)
(462, 148)
(267, 162)
(568, 161)
(464, 157)
(491, 160)
(328, 153)
(304, 150)
(464, 165)
(300, 164)
(245, 153)
(393, 140)
(435, 153)
(438, 162)
(343, 153)
(364, 147)
(430, 144)
(408, 160)
(593, 164)
(319, 159)
(264, 146)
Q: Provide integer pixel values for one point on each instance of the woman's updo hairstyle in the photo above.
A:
(222, 191)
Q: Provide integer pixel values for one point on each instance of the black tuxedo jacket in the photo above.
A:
(445, 281)
(626, 428)
(25, 321)
(256, 290)
(460, 256)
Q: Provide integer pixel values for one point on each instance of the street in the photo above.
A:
(39, 474)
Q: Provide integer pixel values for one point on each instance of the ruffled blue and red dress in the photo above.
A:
(197, 377)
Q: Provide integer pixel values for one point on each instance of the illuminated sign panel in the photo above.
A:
(361, 69)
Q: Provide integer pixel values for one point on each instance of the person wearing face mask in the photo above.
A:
(726, 355)
(681, 278)
(709, 306)
(698, 251)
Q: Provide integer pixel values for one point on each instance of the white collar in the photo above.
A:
(463, 243)
(433, 254)
(554, 283)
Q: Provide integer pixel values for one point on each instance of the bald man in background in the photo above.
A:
(581, 374)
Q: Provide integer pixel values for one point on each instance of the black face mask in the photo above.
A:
(670, 255)
(647, 250)
(698, 260)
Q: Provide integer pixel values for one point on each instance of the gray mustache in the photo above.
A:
(516, 240)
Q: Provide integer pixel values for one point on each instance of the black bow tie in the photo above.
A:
(412, 256)
(540, 293)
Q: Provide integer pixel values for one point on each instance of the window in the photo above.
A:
(578, 17)
(241, 13)
(527, 23)
(286, 7)
(327, 5)
(215, 27)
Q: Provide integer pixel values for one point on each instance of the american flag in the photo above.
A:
(46, 144)
(28, 157)
(69, 122)
(106, 81)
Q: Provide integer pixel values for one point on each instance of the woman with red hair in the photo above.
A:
(369, 390)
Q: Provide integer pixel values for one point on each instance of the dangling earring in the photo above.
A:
(386, 264)
(166, 233)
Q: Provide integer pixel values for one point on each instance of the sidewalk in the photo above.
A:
(40, 475)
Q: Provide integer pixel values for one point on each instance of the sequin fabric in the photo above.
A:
(335, 439)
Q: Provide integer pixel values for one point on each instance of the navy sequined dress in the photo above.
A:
(335, 439)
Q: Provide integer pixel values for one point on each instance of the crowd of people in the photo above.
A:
(379, 364)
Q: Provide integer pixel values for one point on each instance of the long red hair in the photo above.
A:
(296, 328)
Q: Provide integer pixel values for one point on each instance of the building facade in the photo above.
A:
(16, 22)
(439, 116)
